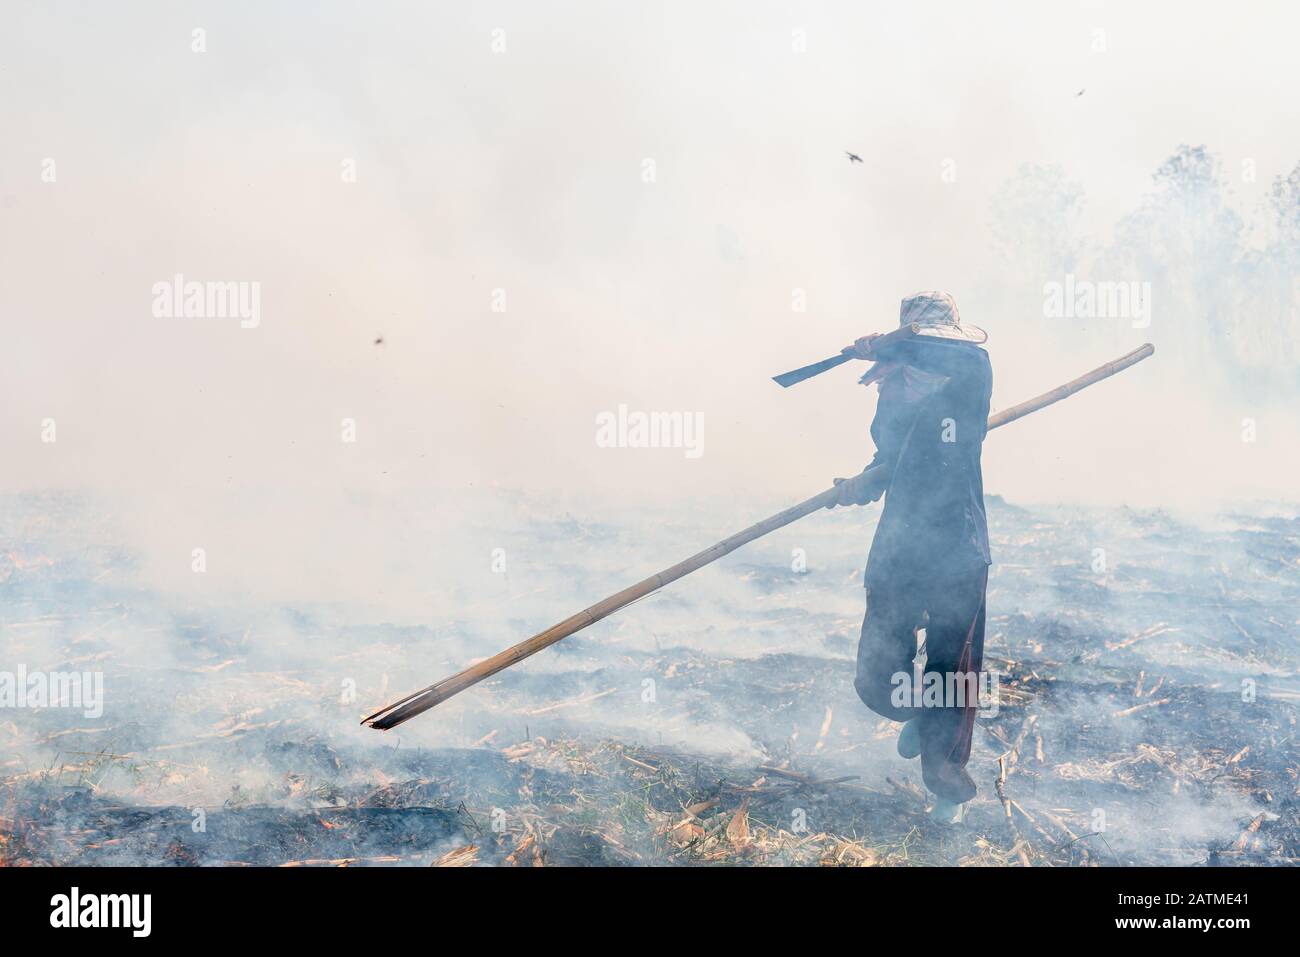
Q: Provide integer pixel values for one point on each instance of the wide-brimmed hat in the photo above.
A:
(934, 314)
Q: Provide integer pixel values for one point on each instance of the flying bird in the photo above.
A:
(1081, 92)
(853, 157)
(379, 341)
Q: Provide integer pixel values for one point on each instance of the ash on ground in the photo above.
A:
(1147, 706)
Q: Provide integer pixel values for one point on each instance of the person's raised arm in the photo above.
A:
(889, 430)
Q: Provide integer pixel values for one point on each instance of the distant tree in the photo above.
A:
(1269, 331)
(1188, 244)
(1221, 308)
(1035, 222)
(1284, 198)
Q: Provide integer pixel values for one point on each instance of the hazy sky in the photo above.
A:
(523, 169)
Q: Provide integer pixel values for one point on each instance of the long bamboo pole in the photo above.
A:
(399, 711)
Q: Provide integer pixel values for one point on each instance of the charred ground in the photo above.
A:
(1147, 712)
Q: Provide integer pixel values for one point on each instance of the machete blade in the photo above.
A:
(787, 379)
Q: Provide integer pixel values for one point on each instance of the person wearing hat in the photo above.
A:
(928, 564)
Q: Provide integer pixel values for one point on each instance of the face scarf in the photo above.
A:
(900, 382)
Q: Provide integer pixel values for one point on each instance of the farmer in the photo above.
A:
(928, 564)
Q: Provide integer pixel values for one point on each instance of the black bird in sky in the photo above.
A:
(379, 341)
(853, 157)
(1081, 92)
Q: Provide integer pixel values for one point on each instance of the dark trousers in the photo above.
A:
(950, 607)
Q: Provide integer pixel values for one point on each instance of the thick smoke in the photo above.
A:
(476, 232)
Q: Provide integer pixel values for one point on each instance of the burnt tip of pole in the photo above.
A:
(376, 721)
(391, 715)
(384, 720)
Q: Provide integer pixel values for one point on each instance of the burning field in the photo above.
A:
(1146, 708)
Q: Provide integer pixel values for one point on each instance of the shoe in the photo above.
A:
(947, 812)
(909, 739)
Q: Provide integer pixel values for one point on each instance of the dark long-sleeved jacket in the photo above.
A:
(929, 430)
